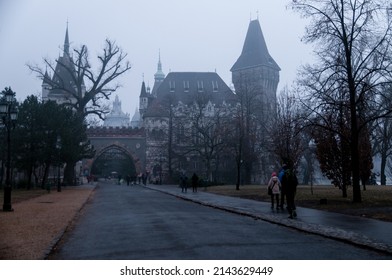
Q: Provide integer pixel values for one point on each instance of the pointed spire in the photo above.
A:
(46, 80)
(66, 42)
(159, 75)
(148, 88)
(159, 61)
(143, 92)
(254, 51)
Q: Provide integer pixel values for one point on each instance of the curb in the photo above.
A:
(325, 231)
(58, 238)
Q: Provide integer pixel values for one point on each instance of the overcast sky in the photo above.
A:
(199, 35)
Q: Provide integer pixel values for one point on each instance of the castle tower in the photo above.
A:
(63, 87)
(46, 86)
(255, 69)
(143, 100)
(255, 75)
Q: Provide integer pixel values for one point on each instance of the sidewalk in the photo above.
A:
(360, 231)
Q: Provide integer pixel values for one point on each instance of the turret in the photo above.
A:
(45, 86)
(143, 99)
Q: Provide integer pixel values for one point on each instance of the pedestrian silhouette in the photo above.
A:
(274, 187)
(195, 182)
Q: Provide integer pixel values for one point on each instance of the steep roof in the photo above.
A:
(46, 80)
(184, 86)
(66, 42)
(255, 51)
(143, 92)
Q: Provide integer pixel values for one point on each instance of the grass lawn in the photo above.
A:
(376, 200)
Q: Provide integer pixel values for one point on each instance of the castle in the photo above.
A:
(170, 137)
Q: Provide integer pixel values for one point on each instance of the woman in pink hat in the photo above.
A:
(274, 187)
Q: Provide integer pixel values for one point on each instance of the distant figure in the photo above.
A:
(128, 178)
(274, 187)
(289, 183)
(183, 183)
(144, 178)
(195, 182)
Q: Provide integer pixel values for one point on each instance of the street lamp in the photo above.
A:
(312, 149)
(160, 169)
(8, 114)
(58, 148)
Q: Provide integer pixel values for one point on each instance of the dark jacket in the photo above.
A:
(289, 181)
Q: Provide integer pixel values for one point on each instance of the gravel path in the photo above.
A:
(35, 225)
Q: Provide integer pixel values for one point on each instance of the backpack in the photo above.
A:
(275, 188)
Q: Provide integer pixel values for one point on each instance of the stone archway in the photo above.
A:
(114, 159)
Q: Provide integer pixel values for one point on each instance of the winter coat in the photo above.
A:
(274, 185)
(289, 182)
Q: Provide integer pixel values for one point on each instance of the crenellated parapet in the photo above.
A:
(110, 131)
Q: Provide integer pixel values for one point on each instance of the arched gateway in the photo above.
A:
(119, 151)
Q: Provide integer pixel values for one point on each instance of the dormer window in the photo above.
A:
(186, 86)
(172, 85)
(200, 86)
(214, 86)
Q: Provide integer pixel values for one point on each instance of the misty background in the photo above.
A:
(201, 35)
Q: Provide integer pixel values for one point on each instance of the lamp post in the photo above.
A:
(8, 114)
(58, 148)
(312, 150)
(160, 169)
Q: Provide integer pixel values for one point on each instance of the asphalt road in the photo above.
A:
(135, 223)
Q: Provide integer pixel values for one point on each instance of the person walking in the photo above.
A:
(183, 183)
(274, 187)
(290, 183)
(195, 182)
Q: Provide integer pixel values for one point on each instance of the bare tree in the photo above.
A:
(85, 88)
(286, 130)
(353, 49)
(82, 88)
(252, 121)
(382, 139)
(206, 125)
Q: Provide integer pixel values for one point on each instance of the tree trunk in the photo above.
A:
(383, 165)
(45, 176)
(69, 174)
(355, 162)
(29, 176)
(237, 185)
(344, 190)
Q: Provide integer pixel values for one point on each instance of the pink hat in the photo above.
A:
(273, 174)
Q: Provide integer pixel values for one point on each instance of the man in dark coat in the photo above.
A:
(289, 183)
(195, 182)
